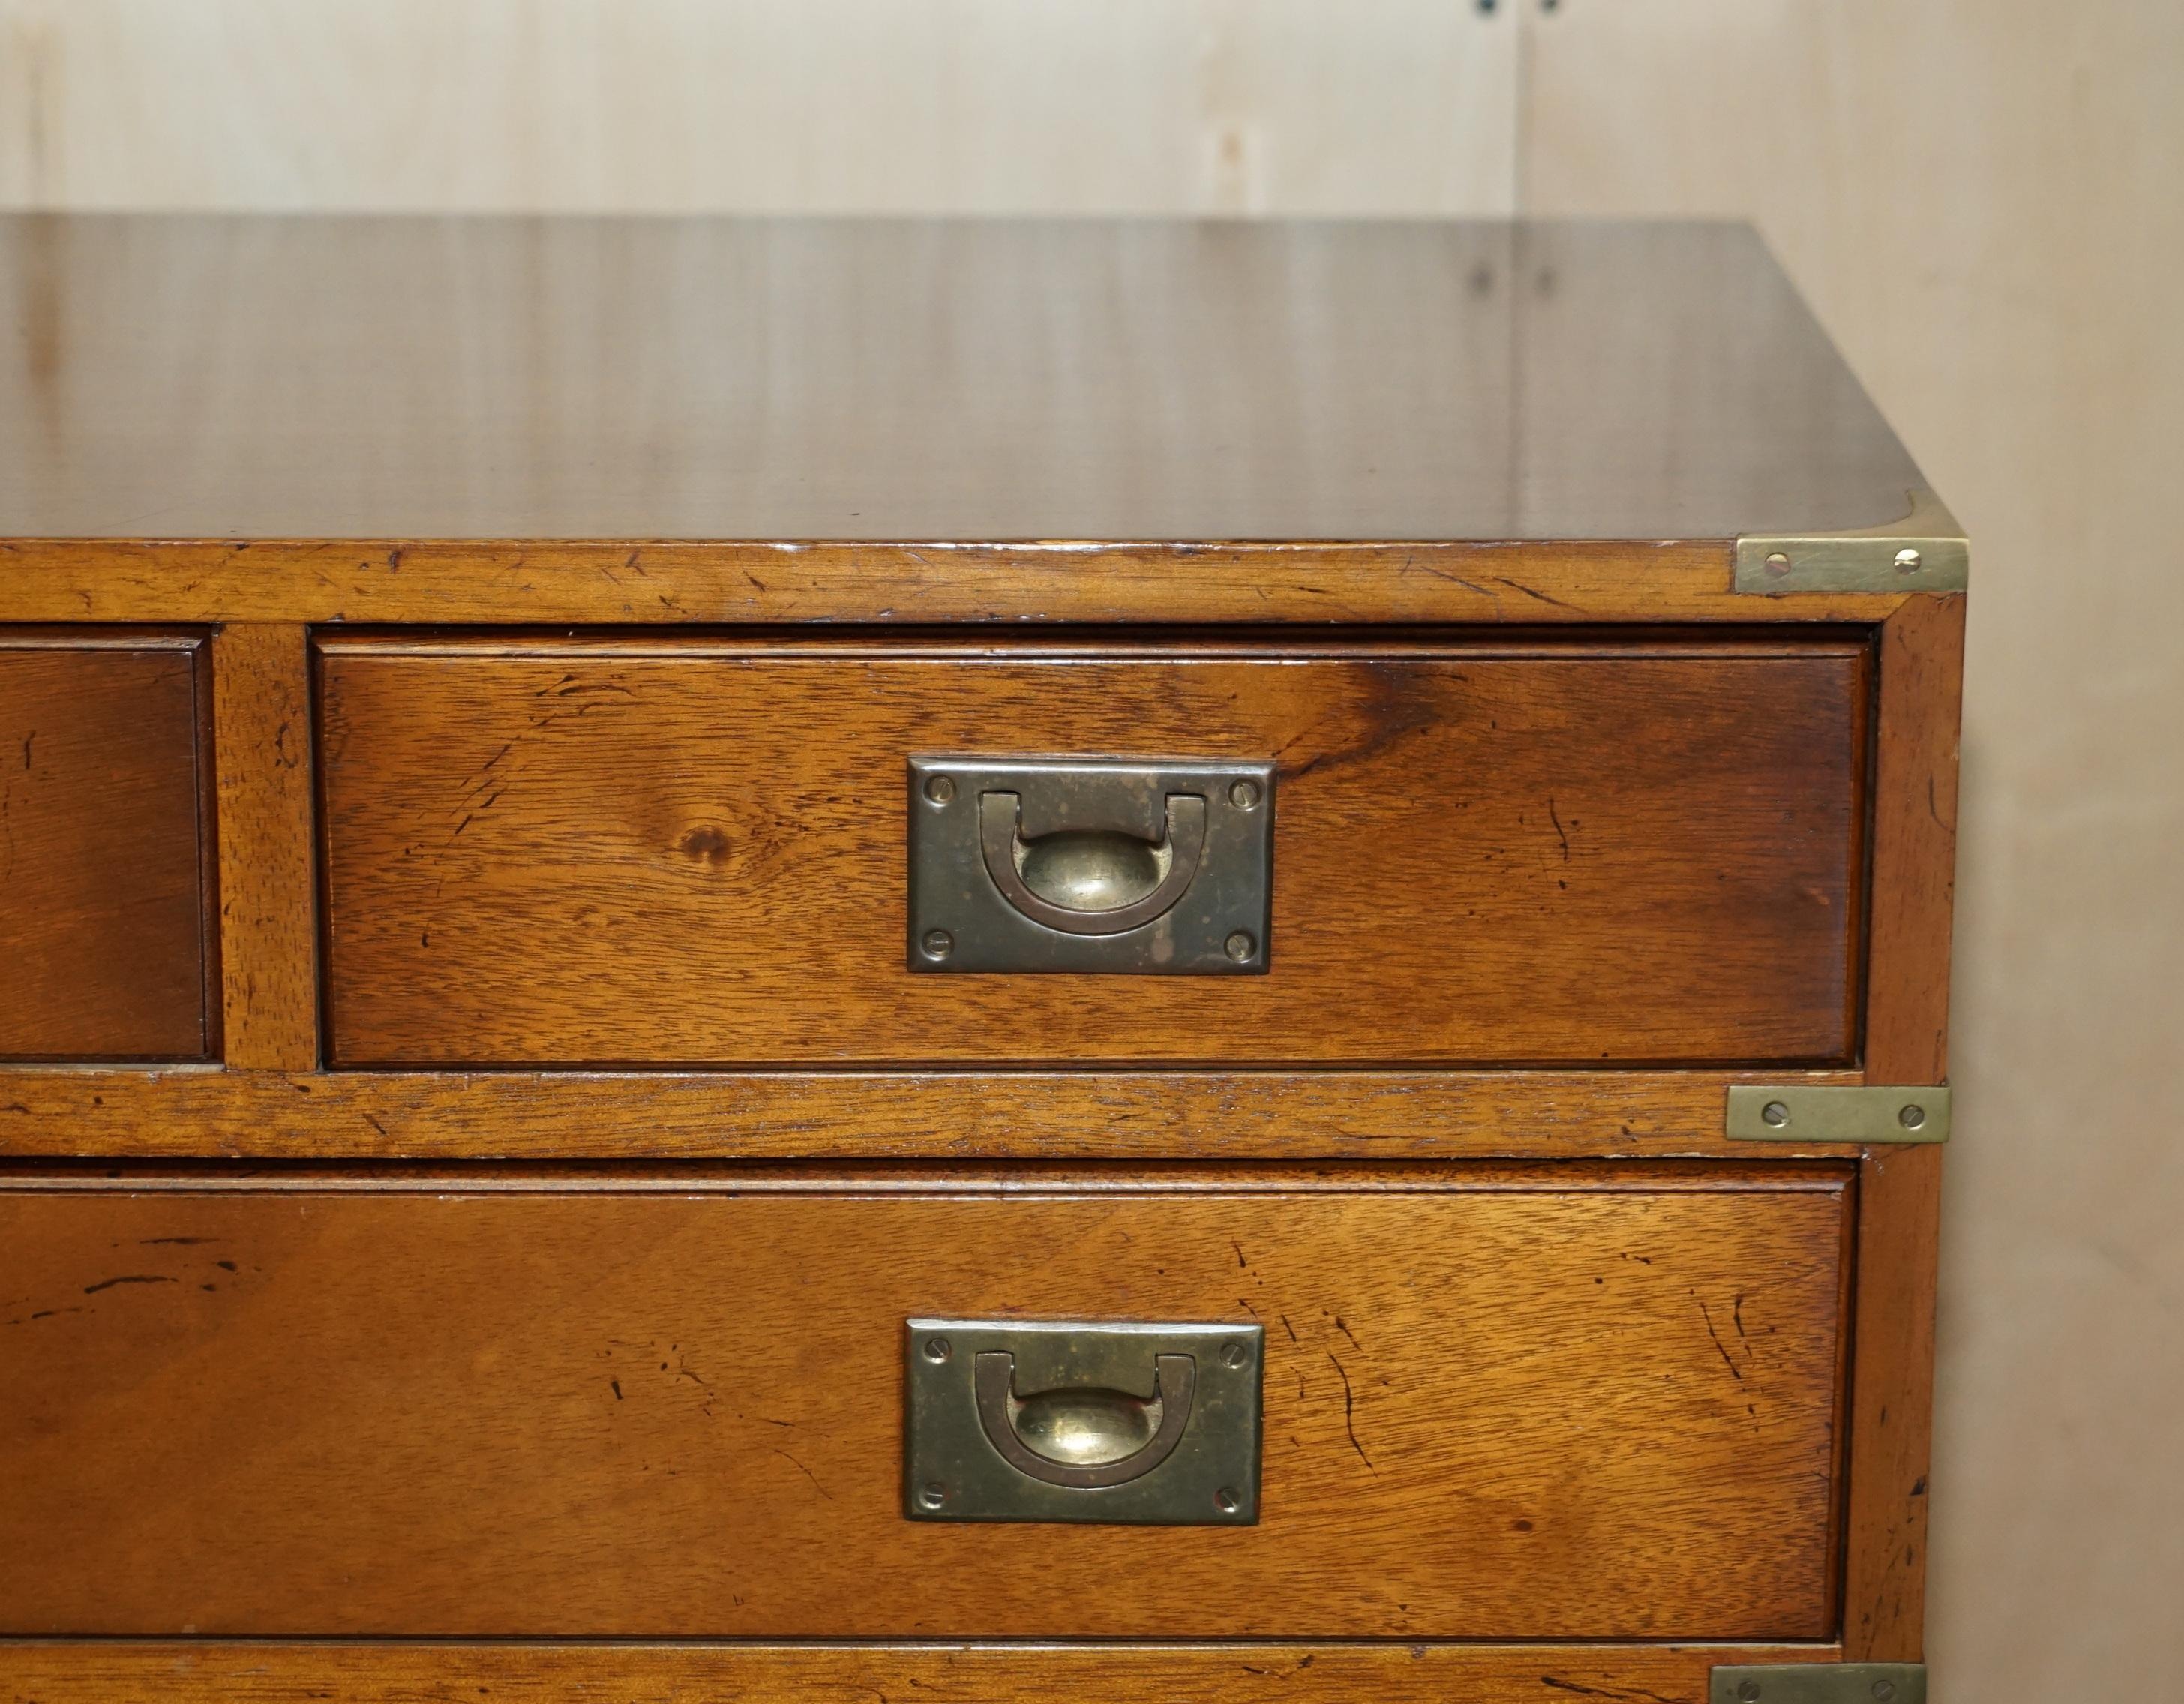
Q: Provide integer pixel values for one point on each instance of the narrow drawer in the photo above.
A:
(1577, 1402)
(103, 920)
(651, 852)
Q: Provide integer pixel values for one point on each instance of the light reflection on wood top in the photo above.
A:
(201, 377)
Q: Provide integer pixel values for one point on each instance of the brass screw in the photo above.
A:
(1244, 795)
(938, 944)
(1227, 1500)
(1911, 1117)
(1775, 1114)
(938, 1349)
(932, 1494)
(1240, 945)
(940, 788)
(1778, 565)
(1907, 561)
(1235, 1355)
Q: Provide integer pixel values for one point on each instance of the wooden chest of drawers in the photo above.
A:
(803, 960)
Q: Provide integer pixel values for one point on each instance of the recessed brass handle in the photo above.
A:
(1099, 1421)
(1081, 1437)
(1091, 881)
(1090, 866)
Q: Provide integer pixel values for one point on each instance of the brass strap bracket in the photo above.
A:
(1819, 1683)
(1836, 1112)
(1925, 551)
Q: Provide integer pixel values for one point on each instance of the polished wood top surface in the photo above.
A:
(202, 378)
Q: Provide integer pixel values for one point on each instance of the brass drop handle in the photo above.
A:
(1082, 1436)
(1091, 881)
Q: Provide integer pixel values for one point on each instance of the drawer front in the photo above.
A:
(1581, 1402)
(103, 921)
(599, 851)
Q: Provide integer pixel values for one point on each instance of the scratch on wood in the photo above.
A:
(1540, 596)
(1705, 1314)
(806, 1471)
(1350, 1414)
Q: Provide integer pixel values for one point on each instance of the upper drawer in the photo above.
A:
(597, 850)
(102, 913)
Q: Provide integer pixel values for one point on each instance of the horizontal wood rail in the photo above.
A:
(211, 1113)
(700, 583)
(193, 1672)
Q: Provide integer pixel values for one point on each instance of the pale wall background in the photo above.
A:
(1983, 199)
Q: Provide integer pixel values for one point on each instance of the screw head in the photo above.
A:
(1884, 1690)
(1778, 565)
(1227, 1500)
(1233, 1355)
(1241, 946)
(940, 789)
(931, 1495)
(1775, 1114)
(1907, 561)
(1244, 795)
(938, 1349)
(1748, 1690)
(1911, 1117)
(938, 944)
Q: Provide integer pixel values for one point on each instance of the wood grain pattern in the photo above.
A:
(104, 932)
(976, 380)
(1899, 1192)
(203, 1672)
(268, 908)
(648, 582)
(1914, 844)
(931, 1115)
(592, 851)
(1495, 1400)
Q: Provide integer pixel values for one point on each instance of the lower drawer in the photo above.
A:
(1547, 1402)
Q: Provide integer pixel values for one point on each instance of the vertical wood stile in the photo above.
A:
(268, 912)
(1899, 1189)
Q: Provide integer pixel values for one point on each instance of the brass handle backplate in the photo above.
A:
(1090, 864)
(1082, 1421)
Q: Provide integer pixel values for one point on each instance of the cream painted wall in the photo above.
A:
(983, 106)
(1984, 200)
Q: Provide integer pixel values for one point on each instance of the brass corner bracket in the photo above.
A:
(1836, 1112)
(1925, 551)
(1819, 1683)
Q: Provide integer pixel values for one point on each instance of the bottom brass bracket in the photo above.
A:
(1819, 1683)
